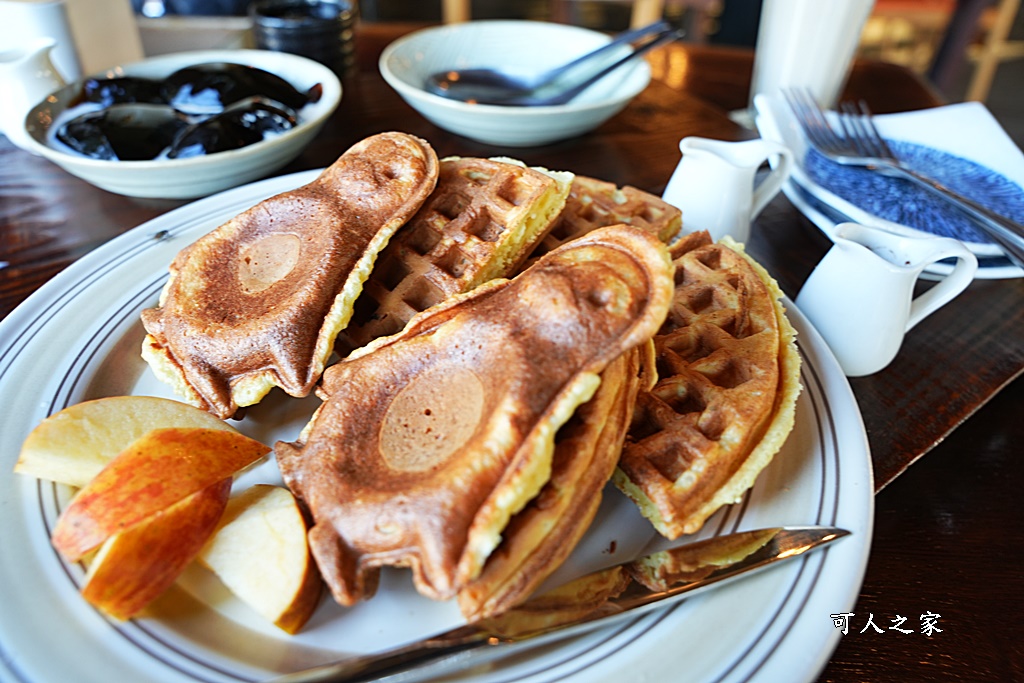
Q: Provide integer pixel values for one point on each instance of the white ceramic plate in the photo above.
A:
(78, 337)
(964, 141)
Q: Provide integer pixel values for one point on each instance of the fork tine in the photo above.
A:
(863, 134)
(796, 104)
(869, 123)
(815, 113)
(851, 130)
(811, 119)
(866, 142)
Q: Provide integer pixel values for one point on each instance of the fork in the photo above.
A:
(858, 143)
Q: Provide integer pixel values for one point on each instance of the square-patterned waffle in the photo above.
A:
(728, 379)
(594, 203)
(481, 222)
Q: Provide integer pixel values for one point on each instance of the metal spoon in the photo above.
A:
(493, 86)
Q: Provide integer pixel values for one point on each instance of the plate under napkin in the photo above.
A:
(961, 144)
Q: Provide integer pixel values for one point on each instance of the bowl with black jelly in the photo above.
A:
(185, 125)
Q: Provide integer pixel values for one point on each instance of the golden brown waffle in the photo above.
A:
(539, 538)
(259, 301)
(724, 403)
(481, 222)
(596, 204)
(430, 440)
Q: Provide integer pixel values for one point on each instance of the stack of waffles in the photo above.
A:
(518, 340)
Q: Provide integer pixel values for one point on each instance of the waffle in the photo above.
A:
(480, 223)
(725, 399)
(259, 301)
(539, 538)
(430, 440)
(596, 204)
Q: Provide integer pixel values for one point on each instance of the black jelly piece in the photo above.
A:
(85, 135)
(242, 124)
(124, 89)
(210, 88)
(126, 132)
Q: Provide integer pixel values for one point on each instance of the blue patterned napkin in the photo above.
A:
(901, 201)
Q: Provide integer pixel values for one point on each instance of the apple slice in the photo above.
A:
(154, 472)
(73, 445)
(260, 553)
(133, 567)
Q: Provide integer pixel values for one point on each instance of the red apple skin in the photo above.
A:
(73, 445)
(306, 601)
(156, 471)
(136, 565)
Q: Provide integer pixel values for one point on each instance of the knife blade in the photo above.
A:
(592, 601)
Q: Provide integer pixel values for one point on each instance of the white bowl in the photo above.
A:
(195, 176)
(524, 46)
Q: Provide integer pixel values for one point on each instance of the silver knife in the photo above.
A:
(595, 600)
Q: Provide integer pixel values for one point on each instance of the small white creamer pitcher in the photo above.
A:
(714, 183)
(860, 297)
(27, 75)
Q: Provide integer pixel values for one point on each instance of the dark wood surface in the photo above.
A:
(947, 536)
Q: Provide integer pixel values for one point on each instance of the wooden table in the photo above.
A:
(947, 536)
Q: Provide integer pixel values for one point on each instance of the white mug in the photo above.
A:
(715, 184)
(807, 44)
(860, 297)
